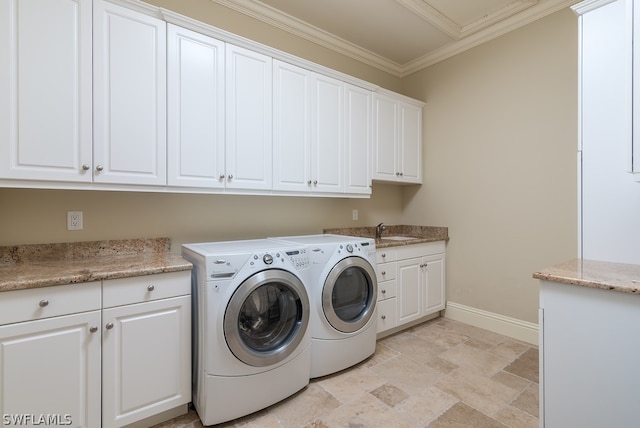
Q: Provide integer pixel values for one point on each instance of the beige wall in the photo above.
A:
(499, 168)
(38, 216)
(500, 144)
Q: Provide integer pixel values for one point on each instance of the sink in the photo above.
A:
(398, 238)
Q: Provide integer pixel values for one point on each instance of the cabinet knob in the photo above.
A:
(93, 329)
(384, 317)
(383, 291)
(309, 182)
(109, 325)
(151, 287)
(315, 182)
(221, 176)
(383, 255)
(99, 168)
(401, 174)
(383, 273)
(397, 174)
(43, 303)
(230, 176)
(85, 167)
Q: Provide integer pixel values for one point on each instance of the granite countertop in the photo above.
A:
(43, 265)
(621, 277)
(421, 234)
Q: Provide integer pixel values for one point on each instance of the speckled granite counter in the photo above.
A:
(421, 234)
(43, 265)
(624, 278)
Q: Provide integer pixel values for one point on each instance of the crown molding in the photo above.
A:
(514, 22)
(474, 34)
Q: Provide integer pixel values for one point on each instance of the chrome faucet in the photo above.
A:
(379, 229)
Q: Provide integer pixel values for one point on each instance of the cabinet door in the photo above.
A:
(195, 125)
(410, 143)
(129, 96)
(433, 280)
(409, 282)
(50, 369)
(357, 140)
(45, 89)
(146, 359)
(327, 152)
(385, 138)
(248, 119)
(291, 127)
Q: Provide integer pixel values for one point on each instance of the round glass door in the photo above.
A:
(266, 317)
(349, 294)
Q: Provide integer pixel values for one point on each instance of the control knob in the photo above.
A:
(267, 259)
(350, 248)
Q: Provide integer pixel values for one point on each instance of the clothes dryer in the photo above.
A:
(251, 341)
(343, 291)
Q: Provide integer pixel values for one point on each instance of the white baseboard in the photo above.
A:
(512, 327)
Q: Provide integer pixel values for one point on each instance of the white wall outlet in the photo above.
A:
(354, 214)
(74, 220)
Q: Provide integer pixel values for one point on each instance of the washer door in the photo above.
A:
(266, 317)
(349, 294)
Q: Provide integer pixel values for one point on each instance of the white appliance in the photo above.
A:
(343, 293)
(251, 341)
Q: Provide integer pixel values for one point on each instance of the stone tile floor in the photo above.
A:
(441, 373)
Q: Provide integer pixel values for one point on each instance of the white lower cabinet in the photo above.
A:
(411, 284)
(75, 357)
(146, 346)
(50, 356)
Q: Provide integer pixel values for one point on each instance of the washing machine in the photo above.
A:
(343, 292)
(251, 337)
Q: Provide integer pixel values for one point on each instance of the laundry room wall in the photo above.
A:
(500, 169)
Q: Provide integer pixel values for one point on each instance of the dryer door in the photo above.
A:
(349, 294)
(267, 317)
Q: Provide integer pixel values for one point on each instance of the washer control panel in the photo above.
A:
(298, 258)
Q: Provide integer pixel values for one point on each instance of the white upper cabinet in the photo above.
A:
(291, 127)
(105, 94)
(195, 109)
(129, 79)
(327, 150)
(397, 142)
(45, 90)
(357, 139)
(249, 119)
(308, 130)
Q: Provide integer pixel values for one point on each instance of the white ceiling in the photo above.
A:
(398, 36)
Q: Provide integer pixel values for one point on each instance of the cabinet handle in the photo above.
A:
(151, 287)
(109, 325)
(85, 167)
(93, 329)
(99, 168)
(384, 317)
(43, 303)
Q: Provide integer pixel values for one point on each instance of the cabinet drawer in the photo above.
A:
(46, 302)
(384, 255)
(387, 290)
(419, 250)
(386, 315)
(386, 271)
(137, 289)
